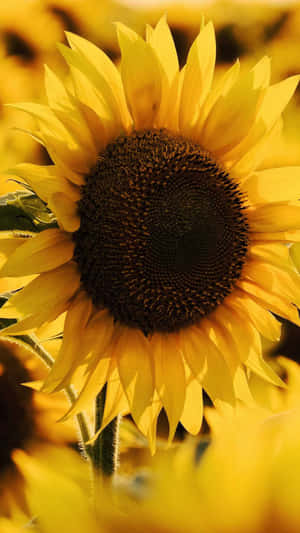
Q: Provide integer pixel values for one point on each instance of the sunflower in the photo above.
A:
(57, 492)
(170, 256)
(184, 495)
(28, 418)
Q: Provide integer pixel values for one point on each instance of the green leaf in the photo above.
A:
(25, 211)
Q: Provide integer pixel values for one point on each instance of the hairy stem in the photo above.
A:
(105, 448)
(82, 421)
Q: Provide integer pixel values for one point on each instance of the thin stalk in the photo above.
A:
(105, 448)
(82, 421)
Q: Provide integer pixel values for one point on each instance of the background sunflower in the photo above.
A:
(28, 418)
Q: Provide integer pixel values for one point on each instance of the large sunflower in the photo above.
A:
(170, 257)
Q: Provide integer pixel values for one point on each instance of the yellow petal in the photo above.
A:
(262, 73)
(277, 216)
(232, 115)
(276, 253)
(169, 377)
(69, 354)
(295, 255)
(196, 354)
(10, 241)
(45, 180)
(93, 385)
(273, 185)
(35, 320)
(6, 526)
(45, 251)
(241, 387)
(65, 209)
(99, 333)
(161, 41)
(45, 291)
(148, 422)
(207, 365)
(106, 70)
(47, 485)
(241, 165)
(220, 330)
(192, 414)
(57, 138)
(221, 89)
(274, 280)
(96, 98)
(280, 236)
(248, 344)
(172, 113)
(116, 402)
(275, 100)
(263, 320)
(198, 77)
(135, 370)
(141, 77)
(64, 106)
(274, 303)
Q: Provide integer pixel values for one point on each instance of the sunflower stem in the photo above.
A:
(82, 421)
(105, 448)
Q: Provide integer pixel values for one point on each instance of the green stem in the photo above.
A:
(46, 357)
(105, 448)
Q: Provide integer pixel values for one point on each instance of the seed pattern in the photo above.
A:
(163, 234)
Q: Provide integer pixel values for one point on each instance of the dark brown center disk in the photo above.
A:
(16, 406)
(163, 234)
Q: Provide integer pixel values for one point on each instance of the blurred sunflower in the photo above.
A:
(171, 246)
(182, 496)
(27, 418)
(57, 493)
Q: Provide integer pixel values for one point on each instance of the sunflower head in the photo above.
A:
(170, 246)
(16, 405)
(181, 236)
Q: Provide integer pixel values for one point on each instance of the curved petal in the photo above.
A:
(276, 304)
(273, 185)
(136, 371)
(163, 45)
(106, 71)
(192, 415)
(141, 77)
(44, 292)
(43, 252)
(197, 78)
(275, 280)
(65, 209)
(45, 180)
(263, 320)
(169, 377)
(75, 323)
(207, 365)
(277, 216)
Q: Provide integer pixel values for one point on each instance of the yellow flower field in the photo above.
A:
(149, 266)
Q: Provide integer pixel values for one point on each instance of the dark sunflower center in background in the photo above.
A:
(163, 236)
(16, 45)
(16, 408)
